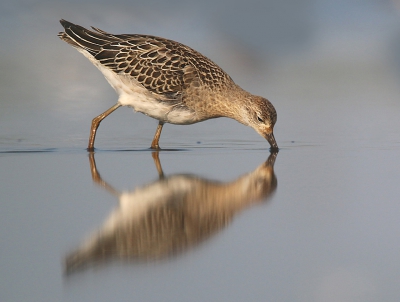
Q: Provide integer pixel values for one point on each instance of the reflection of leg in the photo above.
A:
(271, 158)
(97, 178)
(158, 164)
(154, 143)
(95, 124)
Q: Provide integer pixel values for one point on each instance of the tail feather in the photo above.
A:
(80, 37)
(101, 31)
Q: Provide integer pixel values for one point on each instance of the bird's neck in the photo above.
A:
(230, 103)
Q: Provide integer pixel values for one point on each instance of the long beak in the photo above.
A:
(271, 139)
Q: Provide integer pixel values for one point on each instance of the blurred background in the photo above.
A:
(330, 230)
(311, 54)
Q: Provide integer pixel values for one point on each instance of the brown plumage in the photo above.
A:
(169, 216)
(168, 81)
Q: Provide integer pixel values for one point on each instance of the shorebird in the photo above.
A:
(167, 81)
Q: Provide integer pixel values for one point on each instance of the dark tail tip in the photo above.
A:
(65, 23)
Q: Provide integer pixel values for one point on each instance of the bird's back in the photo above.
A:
(164, 67)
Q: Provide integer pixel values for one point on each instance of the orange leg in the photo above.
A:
(154, 143)
(95, 124)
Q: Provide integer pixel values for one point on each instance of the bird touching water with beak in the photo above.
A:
(167, 81)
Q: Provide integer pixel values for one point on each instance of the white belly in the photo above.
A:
(132, 93)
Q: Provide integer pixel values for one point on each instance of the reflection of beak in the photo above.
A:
(271, 139)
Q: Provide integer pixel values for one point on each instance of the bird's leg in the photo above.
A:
(154, 143)
(157, 164)
(95, 124)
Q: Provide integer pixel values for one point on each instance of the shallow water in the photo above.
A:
(329, 228)
(212, 216)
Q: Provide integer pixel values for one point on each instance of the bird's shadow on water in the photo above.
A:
(116, 150)
(31, 149)
(142, 150)
(168, 216)
(80, 150)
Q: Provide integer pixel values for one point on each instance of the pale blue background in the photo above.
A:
(329, 233)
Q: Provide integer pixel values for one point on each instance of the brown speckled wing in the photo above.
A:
(160, 65)
(148, 60)
(163, 66)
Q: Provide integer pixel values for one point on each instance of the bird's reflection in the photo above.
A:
(170, 215)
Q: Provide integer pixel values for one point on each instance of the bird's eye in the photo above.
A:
(260, 119)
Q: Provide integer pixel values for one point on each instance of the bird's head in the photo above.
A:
(261, 116)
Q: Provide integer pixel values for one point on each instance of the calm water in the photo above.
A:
(214, 216)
